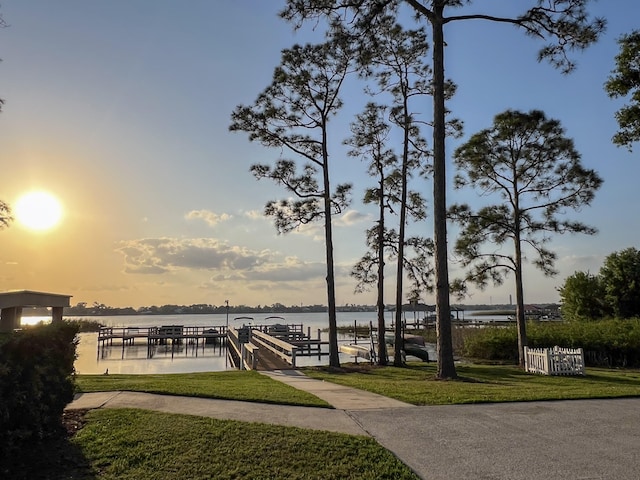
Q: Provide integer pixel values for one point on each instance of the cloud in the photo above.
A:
(315, 230)
(350, 218)
(211, 218)
(161, 255)
(582, 263)
(254, 214)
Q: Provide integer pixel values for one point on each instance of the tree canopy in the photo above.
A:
(526, 162)
(625, 82)
(620, 275)
(615, 290)
(583, 297)
(293, 114)
(5, 214)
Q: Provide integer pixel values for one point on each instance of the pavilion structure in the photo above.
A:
(12, 303)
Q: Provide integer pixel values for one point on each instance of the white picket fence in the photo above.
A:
(554, 361)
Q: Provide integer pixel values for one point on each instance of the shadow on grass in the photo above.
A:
(53, 458)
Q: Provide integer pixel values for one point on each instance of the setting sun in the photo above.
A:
(38, 210)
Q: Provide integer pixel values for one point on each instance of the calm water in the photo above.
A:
(185, 358)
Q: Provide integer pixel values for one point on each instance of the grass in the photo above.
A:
(417, 385)
(247, 386)
(134, 444)
(131, 444)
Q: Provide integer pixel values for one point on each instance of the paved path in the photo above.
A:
(578, 439)
(343, 398)
(304, 417)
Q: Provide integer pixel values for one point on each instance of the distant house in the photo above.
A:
(533, 310)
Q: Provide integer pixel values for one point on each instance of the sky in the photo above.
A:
(121, 111)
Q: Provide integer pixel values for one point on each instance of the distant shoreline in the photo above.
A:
(103, 310)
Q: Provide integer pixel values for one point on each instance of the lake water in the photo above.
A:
(186, 358)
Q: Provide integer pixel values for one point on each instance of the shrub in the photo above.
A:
(492, 343)
(36, 383)
(610, 343)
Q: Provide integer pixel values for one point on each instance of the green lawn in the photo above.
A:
(248, 386)
(137, 444)
(417, 385)
(132, 444)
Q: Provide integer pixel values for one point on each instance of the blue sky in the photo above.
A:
(121, 110)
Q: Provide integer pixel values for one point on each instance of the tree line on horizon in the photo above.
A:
(100, 309)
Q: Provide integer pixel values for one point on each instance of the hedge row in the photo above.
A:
(607, 343)
(36, 383)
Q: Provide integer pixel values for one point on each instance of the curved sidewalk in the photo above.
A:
(572, 439)
(343, 399)
(303, 417)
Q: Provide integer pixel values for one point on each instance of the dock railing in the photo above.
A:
(244, 356)
(282, 349)
(554, 361)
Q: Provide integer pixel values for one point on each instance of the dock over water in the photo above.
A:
(273, 346)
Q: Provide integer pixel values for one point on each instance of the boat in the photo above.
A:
(416, 350)
(278, 330)
(414, 345)
(358, 351)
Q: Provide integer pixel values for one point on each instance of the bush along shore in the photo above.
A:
(606, 343)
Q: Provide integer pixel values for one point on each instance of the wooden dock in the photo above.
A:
(263, 347)
(161, 335)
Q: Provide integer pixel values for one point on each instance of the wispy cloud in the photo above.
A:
(254, 214)
(590, 263)
(211, 218)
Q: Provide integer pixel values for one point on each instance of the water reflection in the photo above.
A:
(187, 358)
(142, 359)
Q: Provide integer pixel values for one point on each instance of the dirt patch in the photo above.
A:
(73, 420)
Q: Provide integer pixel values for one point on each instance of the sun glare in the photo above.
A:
(38, 211)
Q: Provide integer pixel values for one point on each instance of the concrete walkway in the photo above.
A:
(341, 397)
(578, 439)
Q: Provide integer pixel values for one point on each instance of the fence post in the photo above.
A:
(526, 358)
(547, 361)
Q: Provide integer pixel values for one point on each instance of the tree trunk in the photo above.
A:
(446, 366)
(399, 338)
(334, 358)
(382, 345)
(520, 317)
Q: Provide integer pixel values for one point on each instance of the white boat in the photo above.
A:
(360, 351)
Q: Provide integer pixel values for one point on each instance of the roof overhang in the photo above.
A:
(28, 298)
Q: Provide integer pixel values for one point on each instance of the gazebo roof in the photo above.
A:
(28, 298)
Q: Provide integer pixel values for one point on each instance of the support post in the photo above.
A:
(56, 314)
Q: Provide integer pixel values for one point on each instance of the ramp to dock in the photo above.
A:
(269, 361)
